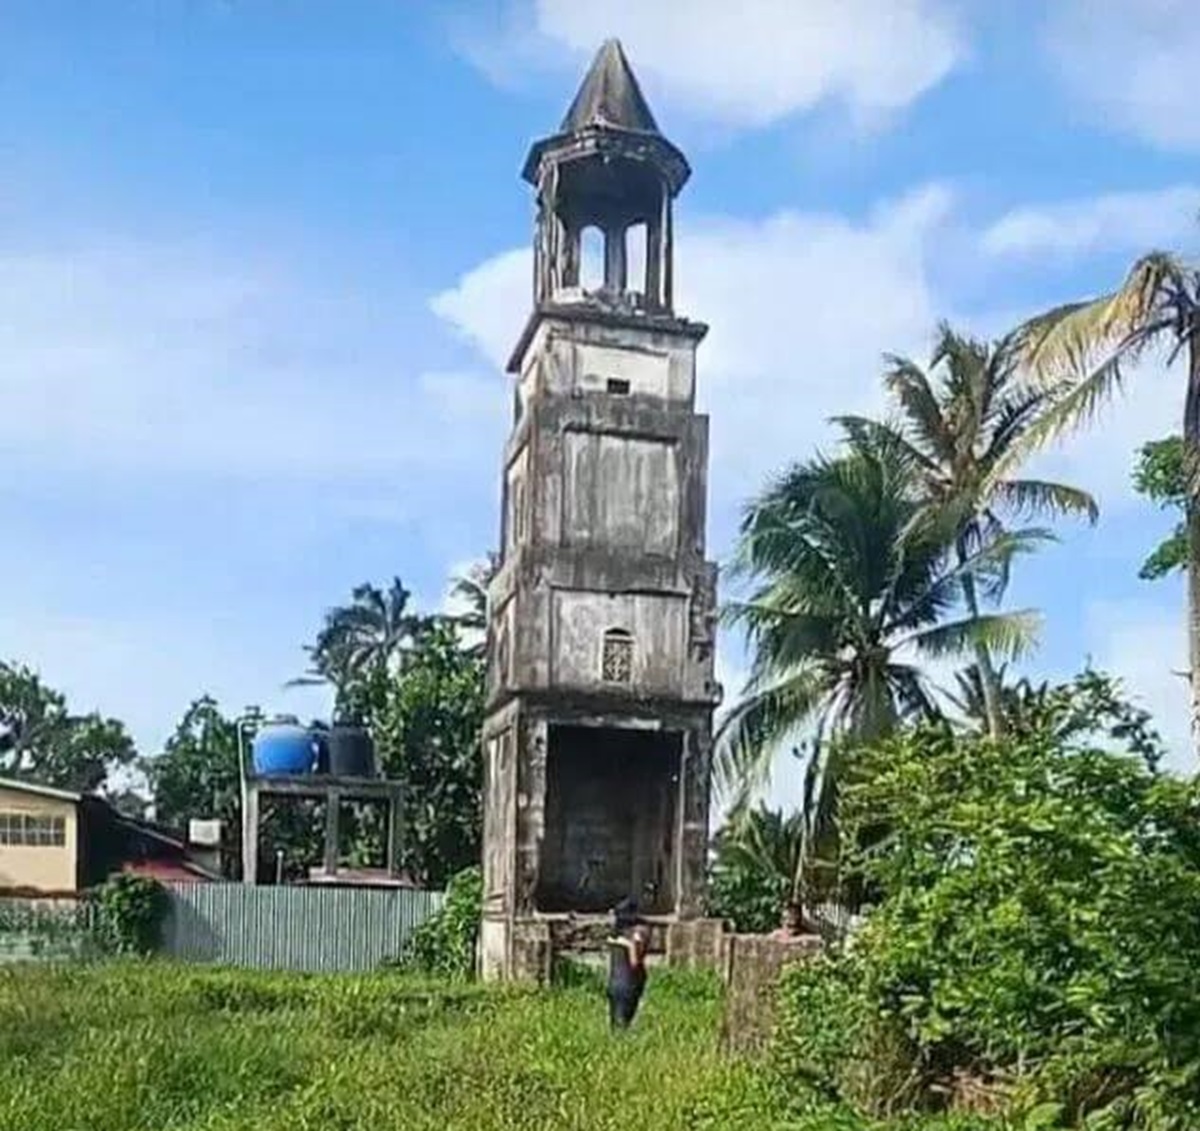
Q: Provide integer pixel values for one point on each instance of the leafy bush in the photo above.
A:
(444, 945)
(754, 868)
(426, 725)
(131, 912)
(1035, 947)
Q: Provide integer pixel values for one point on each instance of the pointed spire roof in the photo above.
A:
(610, 96)
(610, 114)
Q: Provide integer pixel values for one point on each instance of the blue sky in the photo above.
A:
(260, 260)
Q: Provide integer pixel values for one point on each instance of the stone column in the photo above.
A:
(532, 748)
(333, 814)
(692, 844)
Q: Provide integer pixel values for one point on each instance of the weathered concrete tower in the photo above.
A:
(600, 677)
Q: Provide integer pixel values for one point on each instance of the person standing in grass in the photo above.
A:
(626, 965)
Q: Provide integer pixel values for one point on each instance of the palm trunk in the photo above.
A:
(1193, 570)
(798, 901)
(988, 678)
(1191, 450)
(798, 896)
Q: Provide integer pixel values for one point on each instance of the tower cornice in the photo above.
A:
(598, 316)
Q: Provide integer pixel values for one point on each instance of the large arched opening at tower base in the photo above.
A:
(610, 819)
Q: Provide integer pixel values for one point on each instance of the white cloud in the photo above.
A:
(752, 63)
(1133, 63)
(1112, 222)
(1144, 643)
(178, 373)
(147, 357)
(490, 303)
(857, 289)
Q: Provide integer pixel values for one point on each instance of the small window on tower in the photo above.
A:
(616, 664)
(618, 385)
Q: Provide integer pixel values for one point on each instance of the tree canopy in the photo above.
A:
(43, 740)
(853, 583)
(965, 425)
(1161, 476)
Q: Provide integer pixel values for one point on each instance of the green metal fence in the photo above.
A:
(293, 928)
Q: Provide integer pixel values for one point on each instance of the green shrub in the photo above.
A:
(1035, 948)
(131, 911)
(820, 1013)
(444, 945)
(754, 866)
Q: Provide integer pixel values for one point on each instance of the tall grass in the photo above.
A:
(156, 1047)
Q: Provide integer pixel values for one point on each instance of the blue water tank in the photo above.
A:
(282, 746)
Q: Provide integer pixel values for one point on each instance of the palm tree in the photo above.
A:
(852, 579)
(471, 592)
(757, 856)
(363, 641)
(1015, 699)
(964, 423)
(1089, 344)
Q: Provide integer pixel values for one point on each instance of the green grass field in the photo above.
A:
(158, 1047)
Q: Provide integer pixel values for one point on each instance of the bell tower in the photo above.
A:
(601, 617)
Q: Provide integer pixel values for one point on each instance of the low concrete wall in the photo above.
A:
(47, 929)
(698, 944)
(532, 953)
(749, 965)
(753, 965)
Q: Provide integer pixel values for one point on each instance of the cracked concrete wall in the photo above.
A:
(605, 498)
(603, 529)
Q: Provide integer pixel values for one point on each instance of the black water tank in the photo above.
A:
(351, 751)
(321, 738)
